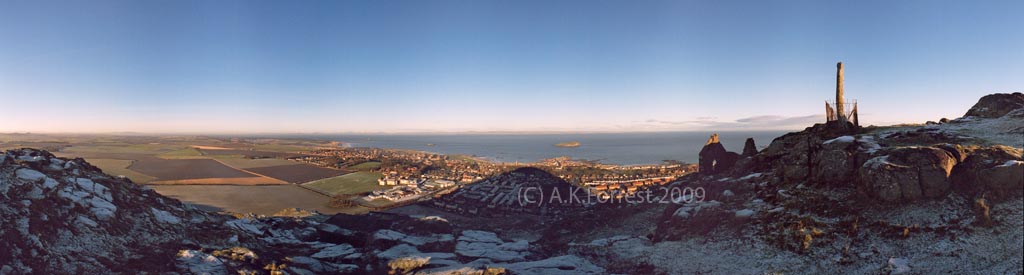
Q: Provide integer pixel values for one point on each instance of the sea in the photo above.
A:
(608, 148)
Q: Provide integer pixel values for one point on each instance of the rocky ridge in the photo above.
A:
(912, 199)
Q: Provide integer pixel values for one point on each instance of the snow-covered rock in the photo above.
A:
(197, 262)
(483, 244)
(29, 174)
(745, 213)
(165, 216)
(335, 252)
(842, 139)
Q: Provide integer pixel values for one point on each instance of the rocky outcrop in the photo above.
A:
(749, 148)
(65, 216)
(714, 159)
(908, 173)
(996, 171)
(996, 105)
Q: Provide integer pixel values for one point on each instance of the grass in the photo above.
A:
(119, 167)
(365, 166)
(352, 183)
(261, 199)
(123, 148)
(464, 158)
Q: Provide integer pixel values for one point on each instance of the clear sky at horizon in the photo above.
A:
(435, 66)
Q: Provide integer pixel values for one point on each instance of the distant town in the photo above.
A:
(407, 176)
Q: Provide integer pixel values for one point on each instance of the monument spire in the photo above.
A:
(840, 110)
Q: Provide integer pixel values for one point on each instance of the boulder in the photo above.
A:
(996, 105)
(996, 168)
(908, 173)
(1008, 176)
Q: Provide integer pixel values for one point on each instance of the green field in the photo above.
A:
(365, 166)
(352, 183)
(184, 153)
(123, 148)
(119, 167)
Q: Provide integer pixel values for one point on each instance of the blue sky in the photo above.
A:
(426, 66)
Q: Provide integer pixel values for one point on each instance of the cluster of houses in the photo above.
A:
(397, 193)
(406, 189)
(501, 195)
(623, 188)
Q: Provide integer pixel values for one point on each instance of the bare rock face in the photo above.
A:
(908, 173)
(835, 165)
(714, 158)
(996, 105)
(790, 155)
(66, 216)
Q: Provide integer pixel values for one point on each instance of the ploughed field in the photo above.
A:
(296, 173)
(217, 174)
(247, 153)
(183, 169)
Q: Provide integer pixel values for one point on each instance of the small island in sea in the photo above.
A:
(569, 144)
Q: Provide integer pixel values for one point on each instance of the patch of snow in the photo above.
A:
(728, 193)
(868, 144)
(1012, 163)
(876, 162)
(683, 212)
(898, 266)
(745, 213)
(842, 139)
(747, 177)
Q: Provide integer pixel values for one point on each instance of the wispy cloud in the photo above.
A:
(763, 122)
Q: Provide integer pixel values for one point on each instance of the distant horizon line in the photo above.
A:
(143, 133)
